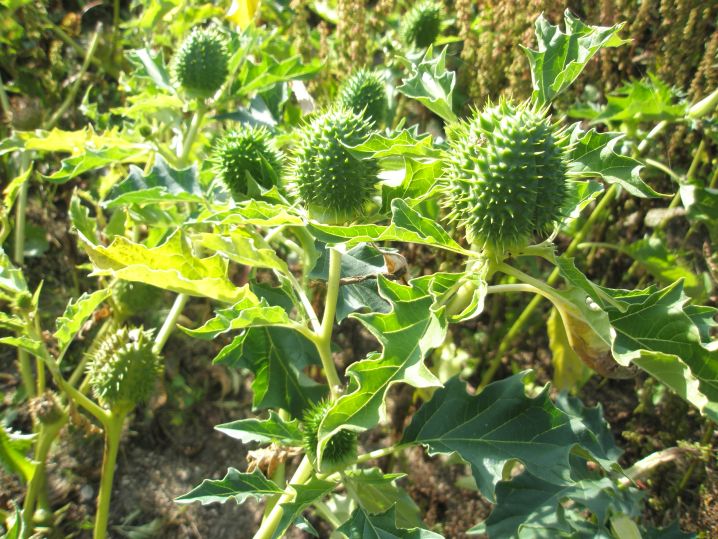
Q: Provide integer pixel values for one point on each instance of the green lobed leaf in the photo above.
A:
(93, 159)
(274, 429)
(418, 179)
(81, 220)
(12, 279)
(432, 85)
(363, 525)
(700, 202)
(248, 312)
(594, 154)
(278, 357)
(242, 247)
(171, 266)
(403, 143)
(499, 425)
(261, 76)
(33, 347)
(305, 495)
(162, 184)
(530, 507)
(657, 334)
(257, 212)
(152, 67)
(562, 56)
(75, 315)
(235, 485)
(13, 449)
(406, 334)
(407, 225)
(377, 492)
(664, 264)
(12, 189)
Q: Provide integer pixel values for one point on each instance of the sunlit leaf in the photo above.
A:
(236, 485)
(171, 266)
(594, 155)
(407, 225)
(94, 159)
(406, 333)
(162, 184)
(274, 429)
(499, 425)
(562, 56)
(305, 495)
(76, 313)
(362, 525)
(432, 85)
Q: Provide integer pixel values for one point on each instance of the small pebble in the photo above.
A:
(87, 493)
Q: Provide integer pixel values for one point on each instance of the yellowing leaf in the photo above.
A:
(241, 12)
(172, 266)
(569, 372)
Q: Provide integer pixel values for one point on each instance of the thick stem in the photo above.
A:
(324, 338)
(35, 488)
(269, 525)
(191, 134)
(113, 432)
(519, 324)
(170, 323)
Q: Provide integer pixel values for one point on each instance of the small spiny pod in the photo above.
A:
(124, 370)
(340, 451)
(200, 66)
(247, 151)
(420, 26)
(365, 93)
(506, 176)
(132, 298)
(334, 184)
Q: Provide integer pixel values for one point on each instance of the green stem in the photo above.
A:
(191, 134)
(46, 436)
(72, 93)
(379, 453)
(269, 525)
(170, 322)
(326, 513)
(23, 358)
(522, 320)
(324, 338)
(113, 432)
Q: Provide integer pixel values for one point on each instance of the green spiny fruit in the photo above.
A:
(507, 176)
(421, 25)
(341, 449)
(200, 65)
(124, 370)
(364, 92)
(334, 184)
(248, 150)
(133, 298)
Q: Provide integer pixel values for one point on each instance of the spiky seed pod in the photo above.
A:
(249, 150)
(421, 24)
(124, 370)
(341, 449)
(364, 92)
(506, 177)
(200, 65)
(133, 298)
(334, 184)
